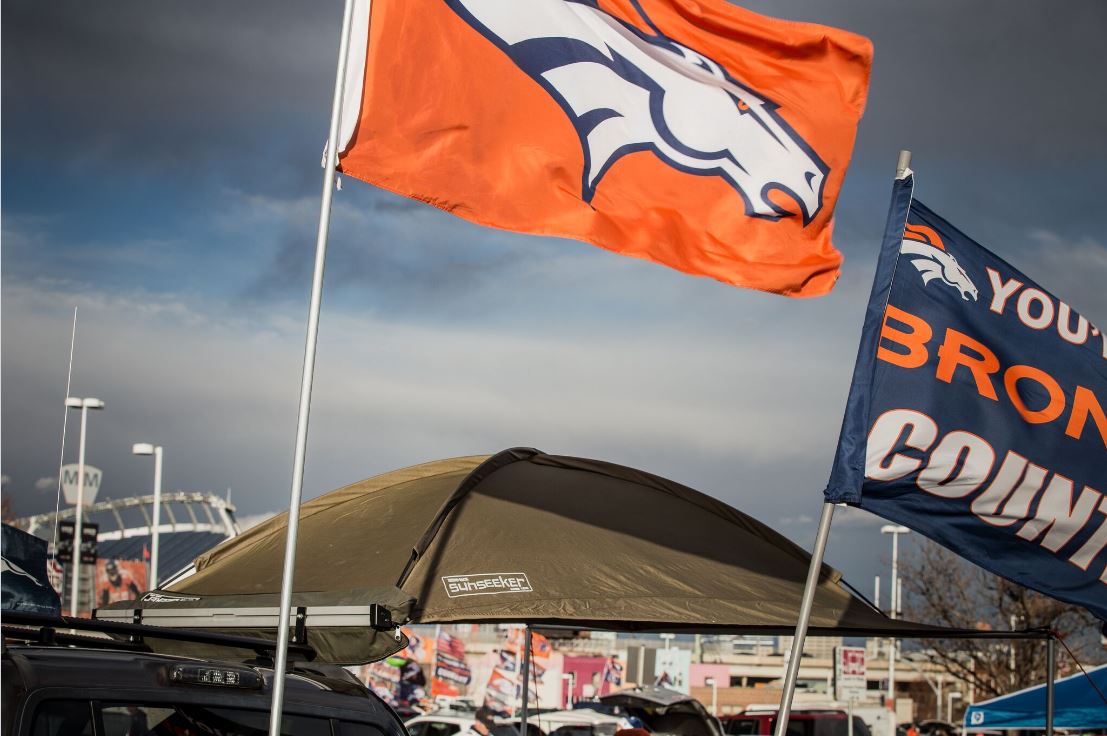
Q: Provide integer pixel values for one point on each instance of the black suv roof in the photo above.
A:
(102, 678)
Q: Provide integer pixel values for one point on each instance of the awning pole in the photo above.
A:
(1051, 675)
(308, 375)
(804, 616)
(526, 680)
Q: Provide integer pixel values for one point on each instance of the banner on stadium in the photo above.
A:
(700, 136)
(119, 580)
(976, 414)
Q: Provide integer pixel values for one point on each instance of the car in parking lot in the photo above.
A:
(801, 722)
(55, 683)
(463, 724)
(580, 722)
(664, 711)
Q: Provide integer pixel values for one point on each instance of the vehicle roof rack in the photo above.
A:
(49, 626)
(373, 616)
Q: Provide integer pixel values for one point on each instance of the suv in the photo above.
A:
(664, 711)
(59, 684)
(800, 723)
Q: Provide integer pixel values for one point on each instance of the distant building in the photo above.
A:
(191, 523)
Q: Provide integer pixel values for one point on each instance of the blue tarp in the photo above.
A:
(1076, 704)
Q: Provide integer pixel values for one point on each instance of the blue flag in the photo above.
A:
(976, 415)
(24, 584)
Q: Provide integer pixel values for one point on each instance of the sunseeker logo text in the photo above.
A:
(486, 583)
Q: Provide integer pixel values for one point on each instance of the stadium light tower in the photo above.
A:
(145, 448)
(84, 405)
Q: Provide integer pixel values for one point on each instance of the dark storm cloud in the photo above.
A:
(136, 73)
(974, 79)
(1002, 103)
(176, 87)
(387, 248)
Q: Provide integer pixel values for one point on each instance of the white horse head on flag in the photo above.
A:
(625, 91)
(934, 262)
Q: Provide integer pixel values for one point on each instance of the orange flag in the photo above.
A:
(690, 133)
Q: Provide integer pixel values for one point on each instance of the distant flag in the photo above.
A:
(612, 677)
(24, 577)
(451, 675)
(976, 415)
(700, 136)
(504, 688)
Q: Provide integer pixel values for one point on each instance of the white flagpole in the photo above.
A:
(903, 164)
(305, 383)
(804, 616)
(65, 422)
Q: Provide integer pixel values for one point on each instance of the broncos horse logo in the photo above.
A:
(7, 565)
(934, 262)
(625, 90)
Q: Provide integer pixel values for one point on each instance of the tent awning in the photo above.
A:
(1078, 702)
(527, 537)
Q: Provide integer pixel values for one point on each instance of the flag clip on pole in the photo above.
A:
(792, 672)
(308, 375)
(1051, 675)
(526, 680)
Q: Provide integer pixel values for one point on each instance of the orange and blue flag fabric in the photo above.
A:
(690, 133)
(978, 411)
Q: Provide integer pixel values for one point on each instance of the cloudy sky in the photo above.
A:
(161, 173)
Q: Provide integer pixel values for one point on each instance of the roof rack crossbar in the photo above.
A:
(136, 633)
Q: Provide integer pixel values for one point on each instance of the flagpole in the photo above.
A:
(903, 164)
(308, 375)
(792, 672)
(526, 679)
(1051, 675)
(437, 651)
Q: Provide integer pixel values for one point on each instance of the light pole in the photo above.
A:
(953, 695)
(570, 679)
(84, 405)
(714, 694)
(894, 603)
(145, 448)
(668, 639)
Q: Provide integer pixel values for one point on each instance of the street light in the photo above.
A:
(84, 405)
(953, 695)
(895, 531)
(145, 448)
(894, 603)
(714, 694)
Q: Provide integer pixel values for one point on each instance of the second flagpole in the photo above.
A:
(792, 672)
(329, 169)
(903, 165)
